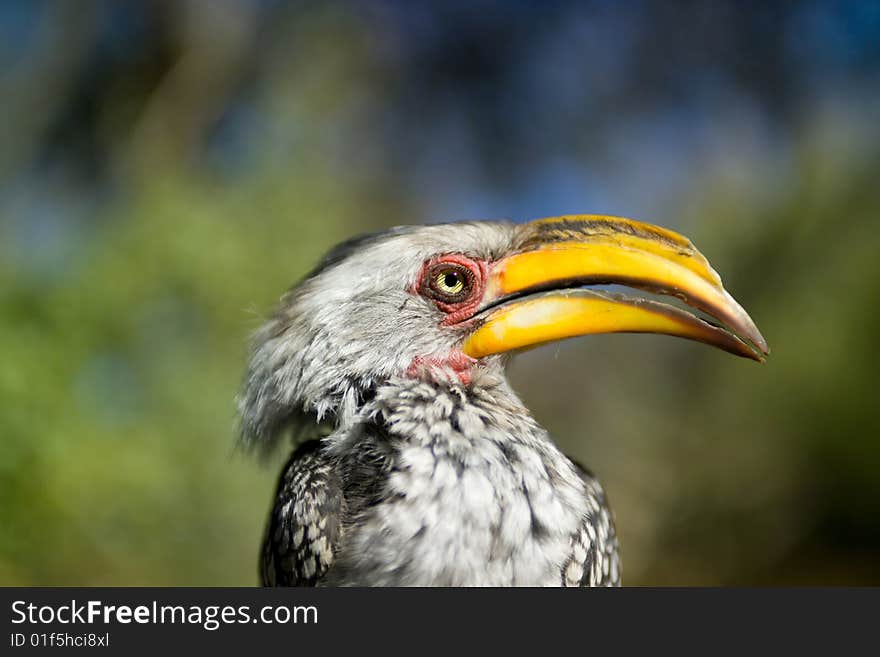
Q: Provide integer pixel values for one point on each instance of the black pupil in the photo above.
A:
(451, 279)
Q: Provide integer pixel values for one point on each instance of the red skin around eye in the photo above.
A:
(462, 310)
(456, 361)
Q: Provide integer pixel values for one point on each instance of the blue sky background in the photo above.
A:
(168, 169)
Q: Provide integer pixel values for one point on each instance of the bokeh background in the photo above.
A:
(168, 169)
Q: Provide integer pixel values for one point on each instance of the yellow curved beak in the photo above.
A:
(533, 296)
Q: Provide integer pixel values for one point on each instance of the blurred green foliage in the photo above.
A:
(118, 384)
(723, 471)
(123, 339)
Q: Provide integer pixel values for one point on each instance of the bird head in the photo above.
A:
(450, 300)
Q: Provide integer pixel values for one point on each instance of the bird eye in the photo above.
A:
(448, 282)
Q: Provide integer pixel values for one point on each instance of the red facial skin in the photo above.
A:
(455, 361)
(456, 313)
(461, 310)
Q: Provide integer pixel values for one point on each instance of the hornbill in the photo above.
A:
(417, 463)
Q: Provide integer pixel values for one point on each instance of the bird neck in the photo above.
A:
(442, 408)
(433, 389)
(442, 473)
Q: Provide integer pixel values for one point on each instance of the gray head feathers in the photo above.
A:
(350, 325)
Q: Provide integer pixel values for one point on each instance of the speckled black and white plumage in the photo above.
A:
(426, 475)
(304, 526)
(439, 483)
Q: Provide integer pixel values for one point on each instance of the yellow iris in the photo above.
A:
(450, 282)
